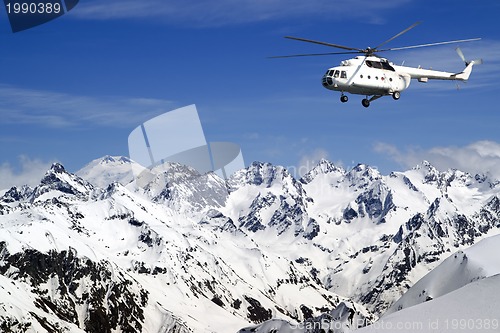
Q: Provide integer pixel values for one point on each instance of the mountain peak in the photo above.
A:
(57, 178)
(17, 194)
(57, 168)
(259, 173)
(324, 166)
(108, 169)
(114, 159)
(363, 171)
(54, 174)
(426, 166)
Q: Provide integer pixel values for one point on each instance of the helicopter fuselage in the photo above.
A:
(377, 77)
(366, 76)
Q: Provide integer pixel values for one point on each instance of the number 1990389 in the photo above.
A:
(33, 8)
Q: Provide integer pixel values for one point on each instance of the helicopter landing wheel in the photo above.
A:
(365, 102)
(396, 95)
(344, 98)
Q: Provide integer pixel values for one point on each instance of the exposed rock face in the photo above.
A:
(96, 297)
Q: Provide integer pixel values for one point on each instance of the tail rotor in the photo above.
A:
(468, 62)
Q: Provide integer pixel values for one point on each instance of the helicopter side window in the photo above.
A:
(337, 73)
(385, 65)
(343, 75)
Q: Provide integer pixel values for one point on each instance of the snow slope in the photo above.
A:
(474, 263)
(472, 308)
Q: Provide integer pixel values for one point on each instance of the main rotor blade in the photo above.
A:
(323, 43)
(430, 44)
(399, 34)
(312, 54)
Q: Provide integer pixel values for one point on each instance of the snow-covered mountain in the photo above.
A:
(461, 294)
(179, 251)
(472, 308)
(461, 268)
(107, 170)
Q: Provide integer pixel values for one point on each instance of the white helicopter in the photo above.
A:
(374, 76)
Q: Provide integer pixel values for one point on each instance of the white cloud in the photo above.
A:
(481, 157)
(55, 109)
(29, 173)
(222, 12)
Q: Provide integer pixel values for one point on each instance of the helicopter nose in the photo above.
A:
(327, 81)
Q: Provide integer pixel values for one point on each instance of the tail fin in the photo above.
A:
(464, 75)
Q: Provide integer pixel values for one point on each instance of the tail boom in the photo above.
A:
(423, 75)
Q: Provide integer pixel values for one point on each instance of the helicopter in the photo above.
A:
(374, 76)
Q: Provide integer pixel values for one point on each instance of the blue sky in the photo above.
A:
(73, 89)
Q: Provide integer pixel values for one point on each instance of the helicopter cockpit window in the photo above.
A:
(368, 63)
(337, 73)
(329, 72)
(343, 75)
